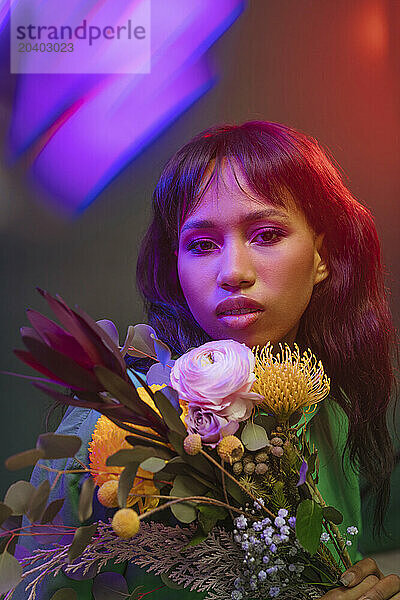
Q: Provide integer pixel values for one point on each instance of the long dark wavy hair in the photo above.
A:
(347, 323)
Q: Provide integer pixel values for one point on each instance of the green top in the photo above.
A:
(327, 429)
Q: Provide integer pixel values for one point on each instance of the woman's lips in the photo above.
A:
(240, 321)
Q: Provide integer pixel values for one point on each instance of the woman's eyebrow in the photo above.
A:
(252, 216)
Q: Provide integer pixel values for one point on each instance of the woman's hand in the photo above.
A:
(365, 581)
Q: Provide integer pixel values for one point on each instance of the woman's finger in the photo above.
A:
(388, 587)
(359, 571)
(354, 593)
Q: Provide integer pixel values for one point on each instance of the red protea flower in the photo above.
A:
(86, 359)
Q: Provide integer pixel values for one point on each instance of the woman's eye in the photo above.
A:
(200, 246)
(269, 236)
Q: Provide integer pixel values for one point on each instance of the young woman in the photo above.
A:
(255, 238)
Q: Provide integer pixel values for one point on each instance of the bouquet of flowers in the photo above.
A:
(217, 437)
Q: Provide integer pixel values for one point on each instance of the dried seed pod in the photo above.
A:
(237, 467)
(277, 441)
(247, 458)
(249, 468)
(277, 451)
(261, 468)
(261, 457)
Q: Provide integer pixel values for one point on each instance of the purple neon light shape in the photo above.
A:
(121, 114)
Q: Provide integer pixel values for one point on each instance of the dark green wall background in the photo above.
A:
(304, 63)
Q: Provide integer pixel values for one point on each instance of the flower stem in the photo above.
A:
(211, 459)
(177, 499)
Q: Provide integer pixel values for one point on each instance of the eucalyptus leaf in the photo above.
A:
(125, 483)
(157, 374)
(138, 454)
(52, 510)
(82, 538)
(18, 496)
(65, 594)
(10, 572)
(110, 586)
(142, 341)
(37, 504)
(309, 525)
(55, 445)
(254, 437)
(332, 514)
(153, 464)
(183, 487)
(5, 512)
(184, 512)
(169, 413)
(85, 507)
(162, 351)
(209, 515)
(24, 459)
(169, 583)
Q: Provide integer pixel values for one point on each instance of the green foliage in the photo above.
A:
(85, 507)
(186, 486)
(125, 482)
(82, 538)
(169, 413)
(65, 594)
(138, 454)
(198, 462)
(55, 445)
(209, 515)
(332, 514)
(153, 464)
(5, 512)
(24, 459)
(52, 510)
(142, 341)
(38, 501)
(266, 421)
(18, 497)
(254, 437)
(169, 583)
(110, 586)
(309, 525)
(278, 496)
(10, 572)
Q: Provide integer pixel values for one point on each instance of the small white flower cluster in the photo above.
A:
(350, 531)
(272, 556)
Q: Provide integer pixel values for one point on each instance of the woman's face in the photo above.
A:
(266, 264)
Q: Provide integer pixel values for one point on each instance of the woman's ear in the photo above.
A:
(320, 263)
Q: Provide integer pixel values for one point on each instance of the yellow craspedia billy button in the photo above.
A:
(230, 449)
(107, 493)
(125, 523)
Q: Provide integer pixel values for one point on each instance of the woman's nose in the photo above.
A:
(236, 268)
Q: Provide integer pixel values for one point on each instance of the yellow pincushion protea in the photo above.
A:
(108, 438)
(288, 381)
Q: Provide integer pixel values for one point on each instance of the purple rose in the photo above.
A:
(208, 425)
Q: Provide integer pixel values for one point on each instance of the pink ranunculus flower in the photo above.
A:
(217, 377)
